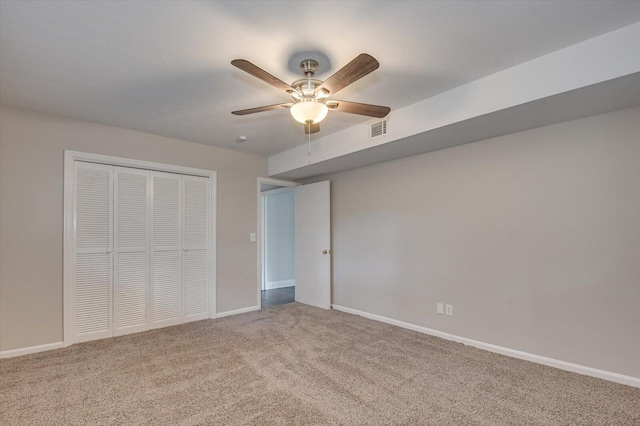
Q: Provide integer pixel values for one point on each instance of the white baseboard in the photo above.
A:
(50, 346)
(279, 284)
(551, 362)
(237, 311)
(30, 350)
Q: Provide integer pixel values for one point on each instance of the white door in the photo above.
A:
(166, 250)
(131, 250)
(313, 244)
(195, 261)
(93, 276)
(141, 250)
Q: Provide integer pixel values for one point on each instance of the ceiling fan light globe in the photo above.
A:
(303, 112)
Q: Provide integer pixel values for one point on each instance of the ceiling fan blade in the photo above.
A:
(311, 128)
(260, 109)
(362, 65)
(357, 108)
(258, 72)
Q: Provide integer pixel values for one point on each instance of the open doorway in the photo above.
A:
(276, 248)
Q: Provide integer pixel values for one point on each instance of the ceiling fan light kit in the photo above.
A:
(310, 96)
(309, 111)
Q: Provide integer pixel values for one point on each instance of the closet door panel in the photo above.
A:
(131, 284)
(166, 251)
(93, 218)
(196, 274)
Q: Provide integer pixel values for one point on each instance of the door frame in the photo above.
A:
(287, 185)
(68, 262)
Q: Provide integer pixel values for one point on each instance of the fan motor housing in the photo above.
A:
(306, 86)
(309, 66)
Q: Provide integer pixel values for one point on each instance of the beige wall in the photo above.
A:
(31, 189)
(534, 238)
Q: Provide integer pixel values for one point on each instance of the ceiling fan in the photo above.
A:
(311, 101)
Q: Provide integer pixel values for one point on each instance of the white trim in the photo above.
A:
(238, 311)
(68, 253)
(280, 182)
(551, 362)
(213, 226)
(262, 231)
(270, 285)
(277, 191)
(31, 350)
(259, 242)
(70, 157)
(137, 164)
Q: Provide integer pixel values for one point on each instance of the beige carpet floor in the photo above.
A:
(294, 364)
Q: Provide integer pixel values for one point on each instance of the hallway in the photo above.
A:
(278, 296)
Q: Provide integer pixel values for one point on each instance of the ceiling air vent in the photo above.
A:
(378, 129)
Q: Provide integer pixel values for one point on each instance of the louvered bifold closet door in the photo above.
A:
(166, 250)
(93, 219)
(131, 268)
(195, 265)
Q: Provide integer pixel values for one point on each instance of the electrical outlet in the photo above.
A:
(252, 237)
(440, 308)
(449, 309)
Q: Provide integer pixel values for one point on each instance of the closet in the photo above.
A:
(141, 240)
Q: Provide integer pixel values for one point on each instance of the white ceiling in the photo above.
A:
(164, 67)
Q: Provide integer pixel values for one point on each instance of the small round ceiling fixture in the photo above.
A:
(242, 139)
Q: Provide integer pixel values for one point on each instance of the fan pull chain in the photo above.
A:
(309, 146)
